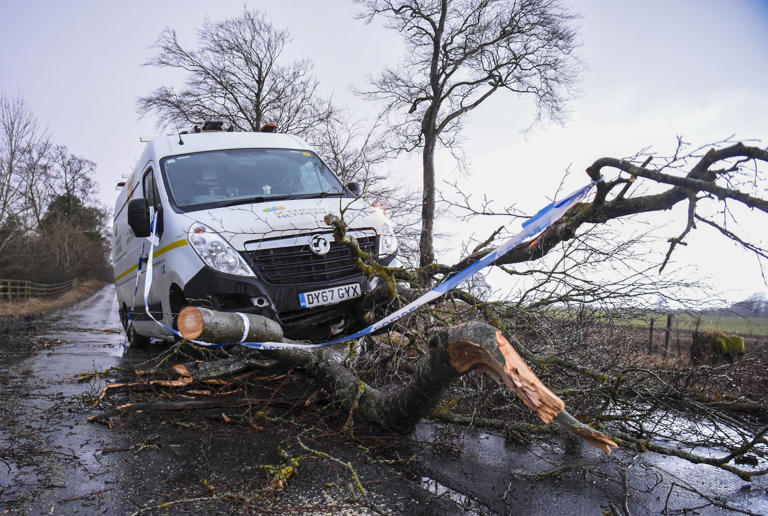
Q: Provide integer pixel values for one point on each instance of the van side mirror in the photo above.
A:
(355, 188)
(138, 217)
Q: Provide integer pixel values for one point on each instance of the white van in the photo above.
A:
(240, 224)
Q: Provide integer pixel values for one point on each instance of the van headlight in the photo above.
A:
(216, 252)
(387, 240)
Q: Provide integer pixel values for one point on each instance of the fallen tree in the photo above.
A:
(451, 352)
(629, 398)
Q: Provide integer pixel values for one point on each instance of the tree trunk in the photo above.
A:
(426, 249)
(197, 323)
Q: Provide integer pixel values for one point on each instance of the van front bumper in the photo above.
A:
(226, 292)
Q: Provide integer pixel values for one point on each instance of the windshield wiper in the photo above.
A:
(263, 198)
(249, 200)
(314, 195)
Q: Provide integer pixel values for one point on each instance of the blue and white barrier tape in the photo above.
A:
(539, 222)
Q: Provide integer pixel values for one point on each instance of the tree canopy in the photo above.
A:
(237, 74)
(458, 54)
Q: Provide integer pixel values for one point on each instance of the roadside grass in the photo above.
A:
(43, 305)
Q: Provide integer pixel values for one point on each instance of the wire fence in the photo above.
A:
(22, 289)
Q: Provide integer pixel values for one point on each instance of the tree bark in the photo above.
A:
(426, 249)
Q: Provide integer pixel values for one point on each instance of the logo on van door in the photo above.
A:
(319, 245)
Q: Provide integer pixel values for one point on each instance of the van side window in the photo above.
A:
(150, 189)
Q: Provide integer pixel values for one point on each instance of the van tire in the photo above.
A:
(176, 301)
(123, 317)
(135, 340)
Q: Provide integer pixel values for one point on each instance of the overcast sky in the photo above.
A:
(654, 70)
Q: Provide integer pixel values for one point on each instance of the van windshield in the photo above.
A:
(213, 179)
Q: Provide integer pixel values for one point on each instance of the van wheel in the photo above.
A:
(135, 340)
(123, 318)
(176, 301)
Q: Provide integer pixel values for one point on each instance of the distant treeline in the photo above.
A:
(51, 228)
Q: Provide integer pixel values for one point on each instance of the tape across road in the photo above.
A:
(539, 222)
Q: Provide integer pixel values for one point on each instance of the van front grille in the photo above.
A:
(298, 264)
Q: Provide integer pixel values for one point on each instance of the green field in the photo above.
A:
(726, 323)
(730, 324)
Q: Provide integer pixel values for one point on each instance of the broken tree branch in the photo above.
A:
(700, 178)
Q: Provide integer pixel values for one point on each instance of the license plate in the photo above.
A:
(329, 296)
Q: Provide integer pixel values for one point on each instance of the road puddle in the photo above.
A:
(471, 506)
(482, 473)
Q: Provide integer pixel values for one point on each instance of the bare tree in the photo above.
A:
(73, 175)
(20, 138)
(236, 75)
(353, 149)
(37, 180)
(459, 53)
(601, 266)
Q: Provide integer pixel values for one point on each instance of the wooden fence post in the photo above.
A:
(650, 338)
(668, 335)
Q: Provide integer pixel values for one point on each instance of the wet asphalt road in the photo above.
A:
(50, 454)
(52, 461)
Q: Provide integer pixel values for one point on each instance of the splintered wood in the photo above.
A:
(517, 376)
(514, 374)
(185, 379)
